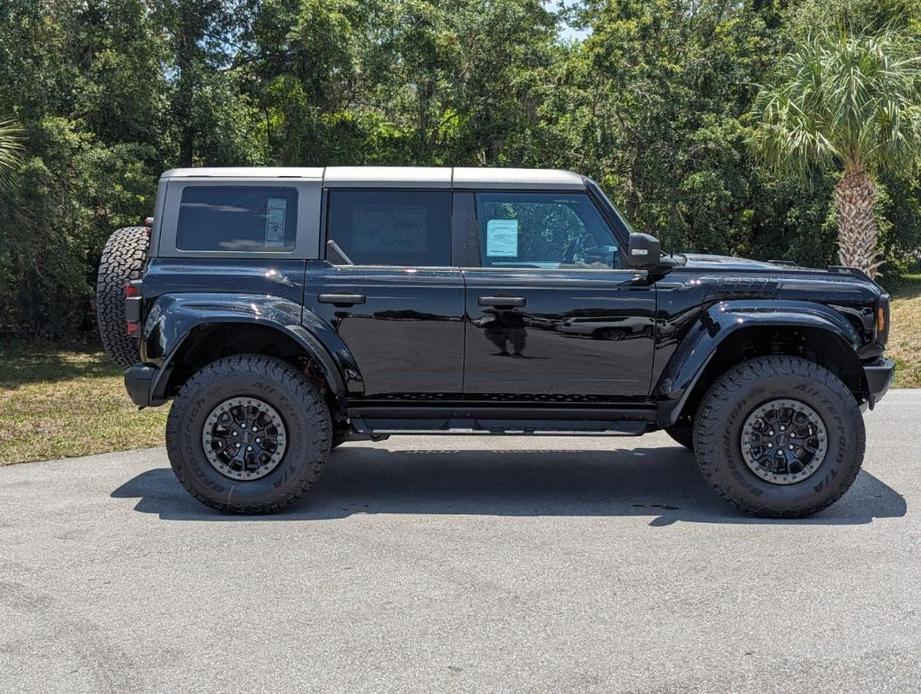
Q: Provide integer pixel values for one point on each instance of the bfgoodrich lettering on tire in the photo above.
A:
(779, 436)
(248, 434)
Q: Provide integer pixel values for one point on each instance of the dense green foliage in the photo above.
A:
(655, 103)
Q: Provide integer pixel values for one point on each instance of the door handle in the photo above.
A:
(342, 299)
(502, 301)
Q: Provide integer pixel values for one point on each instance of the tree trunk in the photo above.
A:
(855, 195)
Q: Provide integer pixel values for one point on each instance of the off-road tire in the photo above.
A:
(682, 432)
(297, 401)
(736, 394)
(123, 259)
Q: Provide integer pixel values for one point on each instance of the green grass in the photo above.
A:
(61, 401)
(905, 334)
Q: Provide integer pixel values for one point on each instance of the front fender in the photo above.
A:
(175, 317)
(726, 318)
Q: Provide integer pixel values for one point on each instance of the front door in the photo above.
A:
(387, 287)
(551, 317)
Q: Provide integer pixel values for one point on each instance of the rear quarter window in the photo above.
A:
(239, 219)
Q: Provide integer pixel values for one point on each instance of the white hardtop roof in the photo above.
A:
(246, 172)
(397, 176)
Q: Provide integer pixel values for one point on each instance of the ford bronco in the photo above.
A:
(287, 310)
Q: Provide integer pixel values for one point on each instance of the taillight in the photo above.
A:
(133, 299)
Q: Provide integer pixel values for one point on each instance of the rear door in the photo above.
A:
(551, 314)
(386, 284)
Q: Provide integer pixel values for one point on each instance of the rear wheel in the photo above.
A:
(123, 259)
(248, 434)
(779, 436)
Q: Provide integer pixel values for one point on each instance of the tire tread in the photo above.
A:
(123, 259)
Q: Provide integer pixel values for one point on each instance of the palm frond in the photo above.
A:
(854, 101)
(11, 149)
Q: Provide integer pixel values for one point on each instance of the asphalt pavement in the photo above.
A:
(463, 564)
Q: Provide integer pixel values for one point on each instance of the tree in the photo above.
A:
(10, 149)
(658, 91)
(851, 103)
(213, 124)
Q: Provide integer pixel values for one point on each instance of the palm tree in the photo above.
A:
(10, 149)
(851, 104)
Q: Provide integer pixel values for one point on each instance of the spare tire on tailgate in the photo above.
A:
(122, 260)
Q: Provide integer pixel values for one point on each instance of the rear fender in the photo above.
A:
(726, 318)
(175, 318)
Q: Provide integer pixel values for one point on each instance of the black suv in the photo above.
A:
(288, 310)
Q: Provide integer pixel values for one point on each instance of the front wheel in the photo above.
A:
(779, 437)
(248, 434)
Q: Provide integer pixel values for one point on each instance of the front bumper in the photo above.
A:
(139, 382)
(879, 375)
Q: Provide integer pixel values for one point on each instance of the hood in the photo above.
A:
(701, 261)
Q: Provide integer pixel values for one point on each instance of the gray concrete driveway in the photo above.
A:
(463, 565)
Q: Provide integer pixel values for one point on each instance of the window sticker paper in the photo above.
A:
(502, 238)
(275, 222)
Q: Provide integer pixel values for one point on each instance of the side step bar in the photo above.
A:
(546, 421)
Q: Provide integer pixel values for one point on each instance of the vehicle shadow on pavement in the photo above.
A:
(659, 482)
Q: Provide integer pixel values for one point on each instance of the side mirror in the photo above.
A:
(643, 252)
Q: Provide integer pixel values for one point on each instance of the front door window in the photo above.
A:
(540, 230)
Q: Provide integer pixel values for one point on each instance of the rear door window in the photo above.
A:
(240, 219)
(391, 227)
